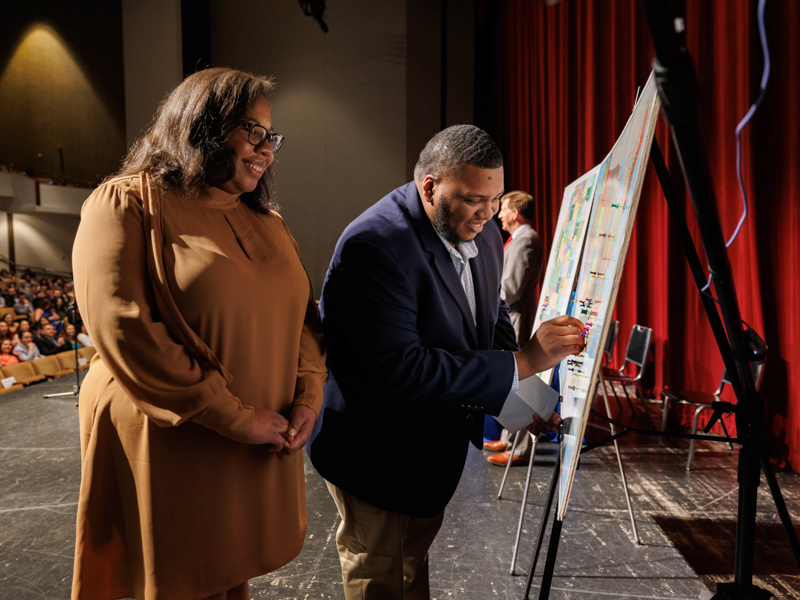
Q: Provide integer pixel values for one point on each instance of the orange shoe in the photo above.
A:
(501, 460)
(496, 446)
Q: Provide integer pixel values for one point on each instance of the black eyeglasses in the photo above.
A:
(257, 135)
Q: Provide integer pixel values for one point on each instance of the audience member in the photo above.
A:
(83, 337)
(39, 325)
(13, 326)
(10, 295)
(24, 325)
(23, 305)
(6, 357)
(47, 342)
(5, 334)
(67, 335)
(60, 307)
(69, 293)
(26, 349)
(33, 290)
(45, 310)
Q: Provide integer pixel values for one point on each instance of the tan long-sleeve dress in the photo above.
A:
(200, 310)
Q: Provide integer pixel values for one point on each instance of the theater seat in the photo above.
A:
(86, 352)
(49, 367)
(23, 372)
(66, 360)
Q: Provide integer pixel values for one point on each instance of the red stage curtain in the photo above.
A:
(564, 79)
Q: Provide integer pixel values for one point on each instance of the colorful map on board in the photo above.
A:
(562, 264)
(619, 188)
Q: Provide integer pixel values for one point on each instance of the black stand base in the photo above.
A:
(550, 563)
(76, 388)
(732, 591)
(62, 394)
(543, 526)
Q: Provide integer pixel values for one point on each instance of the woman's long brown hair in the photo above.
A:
(187, 148)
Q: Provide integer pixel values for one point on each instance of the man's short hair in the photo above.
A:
(521, 201)
(452, 149)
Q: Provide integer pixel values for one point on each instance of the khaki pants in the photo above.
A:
(384, 555)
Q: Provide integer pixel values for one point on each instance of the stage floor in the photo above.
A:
(686, 520)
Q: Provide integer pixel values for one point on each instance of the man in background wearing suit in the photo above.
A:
(47, 342)
(420, 347)
(522, 268)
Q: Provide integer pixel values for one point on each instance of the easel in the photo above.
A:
(676, 84)
(526, 489)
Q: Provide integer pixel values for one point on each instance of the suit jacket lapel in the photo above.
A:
(441, 261)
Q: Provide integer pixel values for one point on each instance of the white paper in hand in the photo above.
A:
(533, 396)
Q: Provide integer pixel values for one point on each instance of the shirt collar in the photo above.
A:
(521, 227)
(464, 251)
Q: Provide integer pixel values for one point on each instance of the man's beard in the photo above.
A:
(442, 222)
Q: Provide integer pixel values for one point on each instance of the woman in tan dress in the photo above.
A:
(209, 369)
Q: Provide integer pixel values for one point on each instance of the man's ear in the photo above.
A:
(428, 185)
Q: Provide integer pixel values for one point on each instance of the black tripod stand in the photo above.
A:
(676, 81)
(677, 85)
(72, 311)
(753, 350)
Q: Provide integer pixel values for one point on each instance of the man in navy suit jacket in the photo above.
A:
(420, 346)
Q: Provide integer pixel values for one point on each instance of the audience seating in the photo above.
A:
(86, 352)
(49, 367)
(23, 372)
(11, 388)
(66, 360)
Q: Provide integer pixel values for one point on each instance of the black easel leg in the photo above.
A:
(543, 526)
(550, 563)
(749, 479)
(783, 512)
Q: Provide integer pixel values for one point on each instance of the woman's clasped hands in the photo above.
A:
(281, 435)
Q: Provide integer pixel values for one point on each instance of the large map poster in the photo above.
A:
(613, 211)
(562, 264)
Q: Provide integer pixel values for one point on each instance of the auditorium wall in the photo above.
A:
(61, 86)
(45, 240)
(356, 104)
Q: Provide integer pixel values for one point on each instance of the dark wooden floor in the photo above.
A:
(686, 521)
